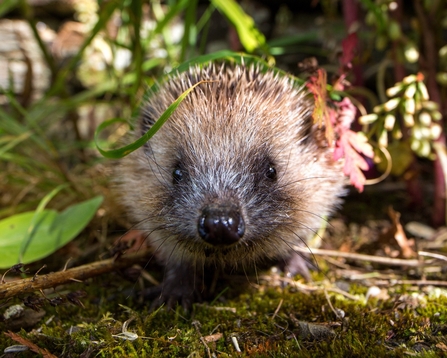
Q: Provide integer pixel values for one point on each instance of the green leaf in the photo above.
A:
(40, 208)
(250, 37)
(123, 151)
(51, 231)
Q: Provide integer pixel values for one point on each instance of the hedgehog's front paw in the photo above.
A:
(298, 264)
(181, 286)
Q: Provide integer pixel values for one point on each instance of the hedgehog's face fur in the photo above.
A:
(235, 175)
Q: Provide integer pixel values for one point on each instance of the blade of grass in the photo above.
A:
(13, 126)
(13, 142)
(137, 50)
(33, 225)
(28, 14)
(168, 43)
(150, 64)
(190, 32)
(7, 5)
(172, 12)
(9, 124)
(121, 152)
(204, 25)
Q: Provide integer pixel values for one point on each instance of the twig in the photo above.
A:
(28, 285)
(419, 282)
(361, 257)
(235, 344)
(277, 309)
(336, 311)
(37, 273)
(197, 325)
(343, 293)
(433, 255)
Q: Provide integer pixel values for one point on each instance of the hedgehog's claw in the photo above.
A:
(297, 264)
(180, 286)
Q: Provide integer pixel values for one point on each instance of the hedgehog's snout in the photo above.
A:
(221, 224)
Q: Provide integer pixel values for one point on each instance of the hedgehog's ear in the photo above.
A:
(148, 118)
(308, 132)
(319, 135)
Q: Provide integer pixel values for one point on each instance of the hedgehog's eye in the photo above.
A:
(177, 175)
(271, 172)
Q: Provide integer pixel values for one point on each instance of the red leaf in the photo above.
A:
(321, 114)
(359, 142)
(351, 145)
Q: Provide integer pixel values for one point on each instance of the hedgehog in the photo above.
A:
(239, 175)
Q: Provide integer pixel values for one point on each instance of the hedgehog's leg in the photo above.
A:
(296, 264)
(180, 285)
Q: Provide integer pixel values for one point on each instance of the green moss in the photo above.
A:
(404, 324)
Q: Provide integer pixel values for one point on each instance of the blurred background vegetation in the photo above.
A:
(66, 66)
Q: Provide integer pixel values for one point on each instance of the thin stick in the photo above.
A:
(29, 285)
(360, 257)
(277, 309)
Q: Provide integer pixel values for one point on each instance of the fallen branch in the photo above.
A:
(39, 282)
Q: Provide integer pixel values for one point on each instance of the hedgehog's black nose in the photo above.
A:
(221, 225)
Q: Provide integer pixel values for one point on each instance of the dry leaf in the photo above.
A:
(33, 347)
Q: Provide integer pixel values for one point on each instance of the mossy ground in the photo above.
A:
(409, 323)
